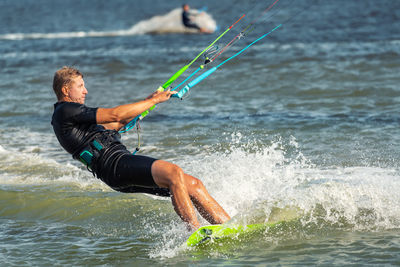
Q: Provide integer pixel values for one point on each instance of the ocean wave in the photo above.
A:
(254, 182)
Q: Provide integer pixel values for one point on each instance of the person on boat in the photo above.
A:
(91, 135)
(188, 19)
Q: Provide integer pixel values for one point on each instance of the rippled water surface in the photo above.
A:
(305, 120)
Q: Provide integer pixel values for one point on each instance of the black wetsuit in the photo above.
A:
(187, 21)
(76, 129)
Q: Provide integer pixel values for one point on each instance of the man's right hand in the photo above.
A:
(161, 96)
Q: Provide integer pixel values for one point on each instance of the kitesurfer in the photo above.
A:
(91, 136)
(187, 19)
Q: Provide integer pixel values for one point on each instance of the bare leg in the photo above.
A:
(170, 176)
(185, 189)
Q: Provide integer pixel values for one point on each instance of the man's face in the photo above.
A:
(77, 90)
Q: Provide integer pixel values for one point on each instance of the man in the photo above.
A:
(187, 19)
(90, 135)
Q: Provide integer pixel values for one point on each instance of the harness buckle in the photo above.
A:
(86, 157)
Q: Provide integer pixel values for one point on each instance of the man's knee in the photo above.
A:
(175, 175)
(195, 184)
(179, 178)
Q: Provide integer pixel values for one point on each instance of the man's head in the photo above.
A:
(68, 85)
(185, 7)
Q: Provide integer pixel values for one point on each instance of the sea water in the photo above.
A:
(306, 120)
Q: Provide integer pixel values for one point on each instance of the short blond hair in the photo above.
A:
(63, 77)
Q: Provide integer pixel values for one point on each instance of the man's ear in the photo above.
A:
(65, 90)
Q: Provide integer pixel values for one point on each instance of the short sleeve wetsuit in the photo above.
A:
(76, 129)
(187, 21)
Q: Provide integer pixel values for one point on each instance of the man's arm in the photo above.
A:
(115, 118)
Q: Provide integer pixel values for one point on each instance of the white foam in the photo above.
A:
(167, 23)
(247, 179)
(172, 23)
(19, 168)
(240, 179)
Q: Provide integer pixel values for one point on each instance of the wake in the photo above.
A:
(170, 22)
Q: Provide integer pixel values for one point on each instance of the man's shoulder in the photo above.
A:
(72, 112)
(68, 109)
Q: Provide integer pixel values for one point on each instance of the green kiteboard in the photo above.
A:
(214, 233)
